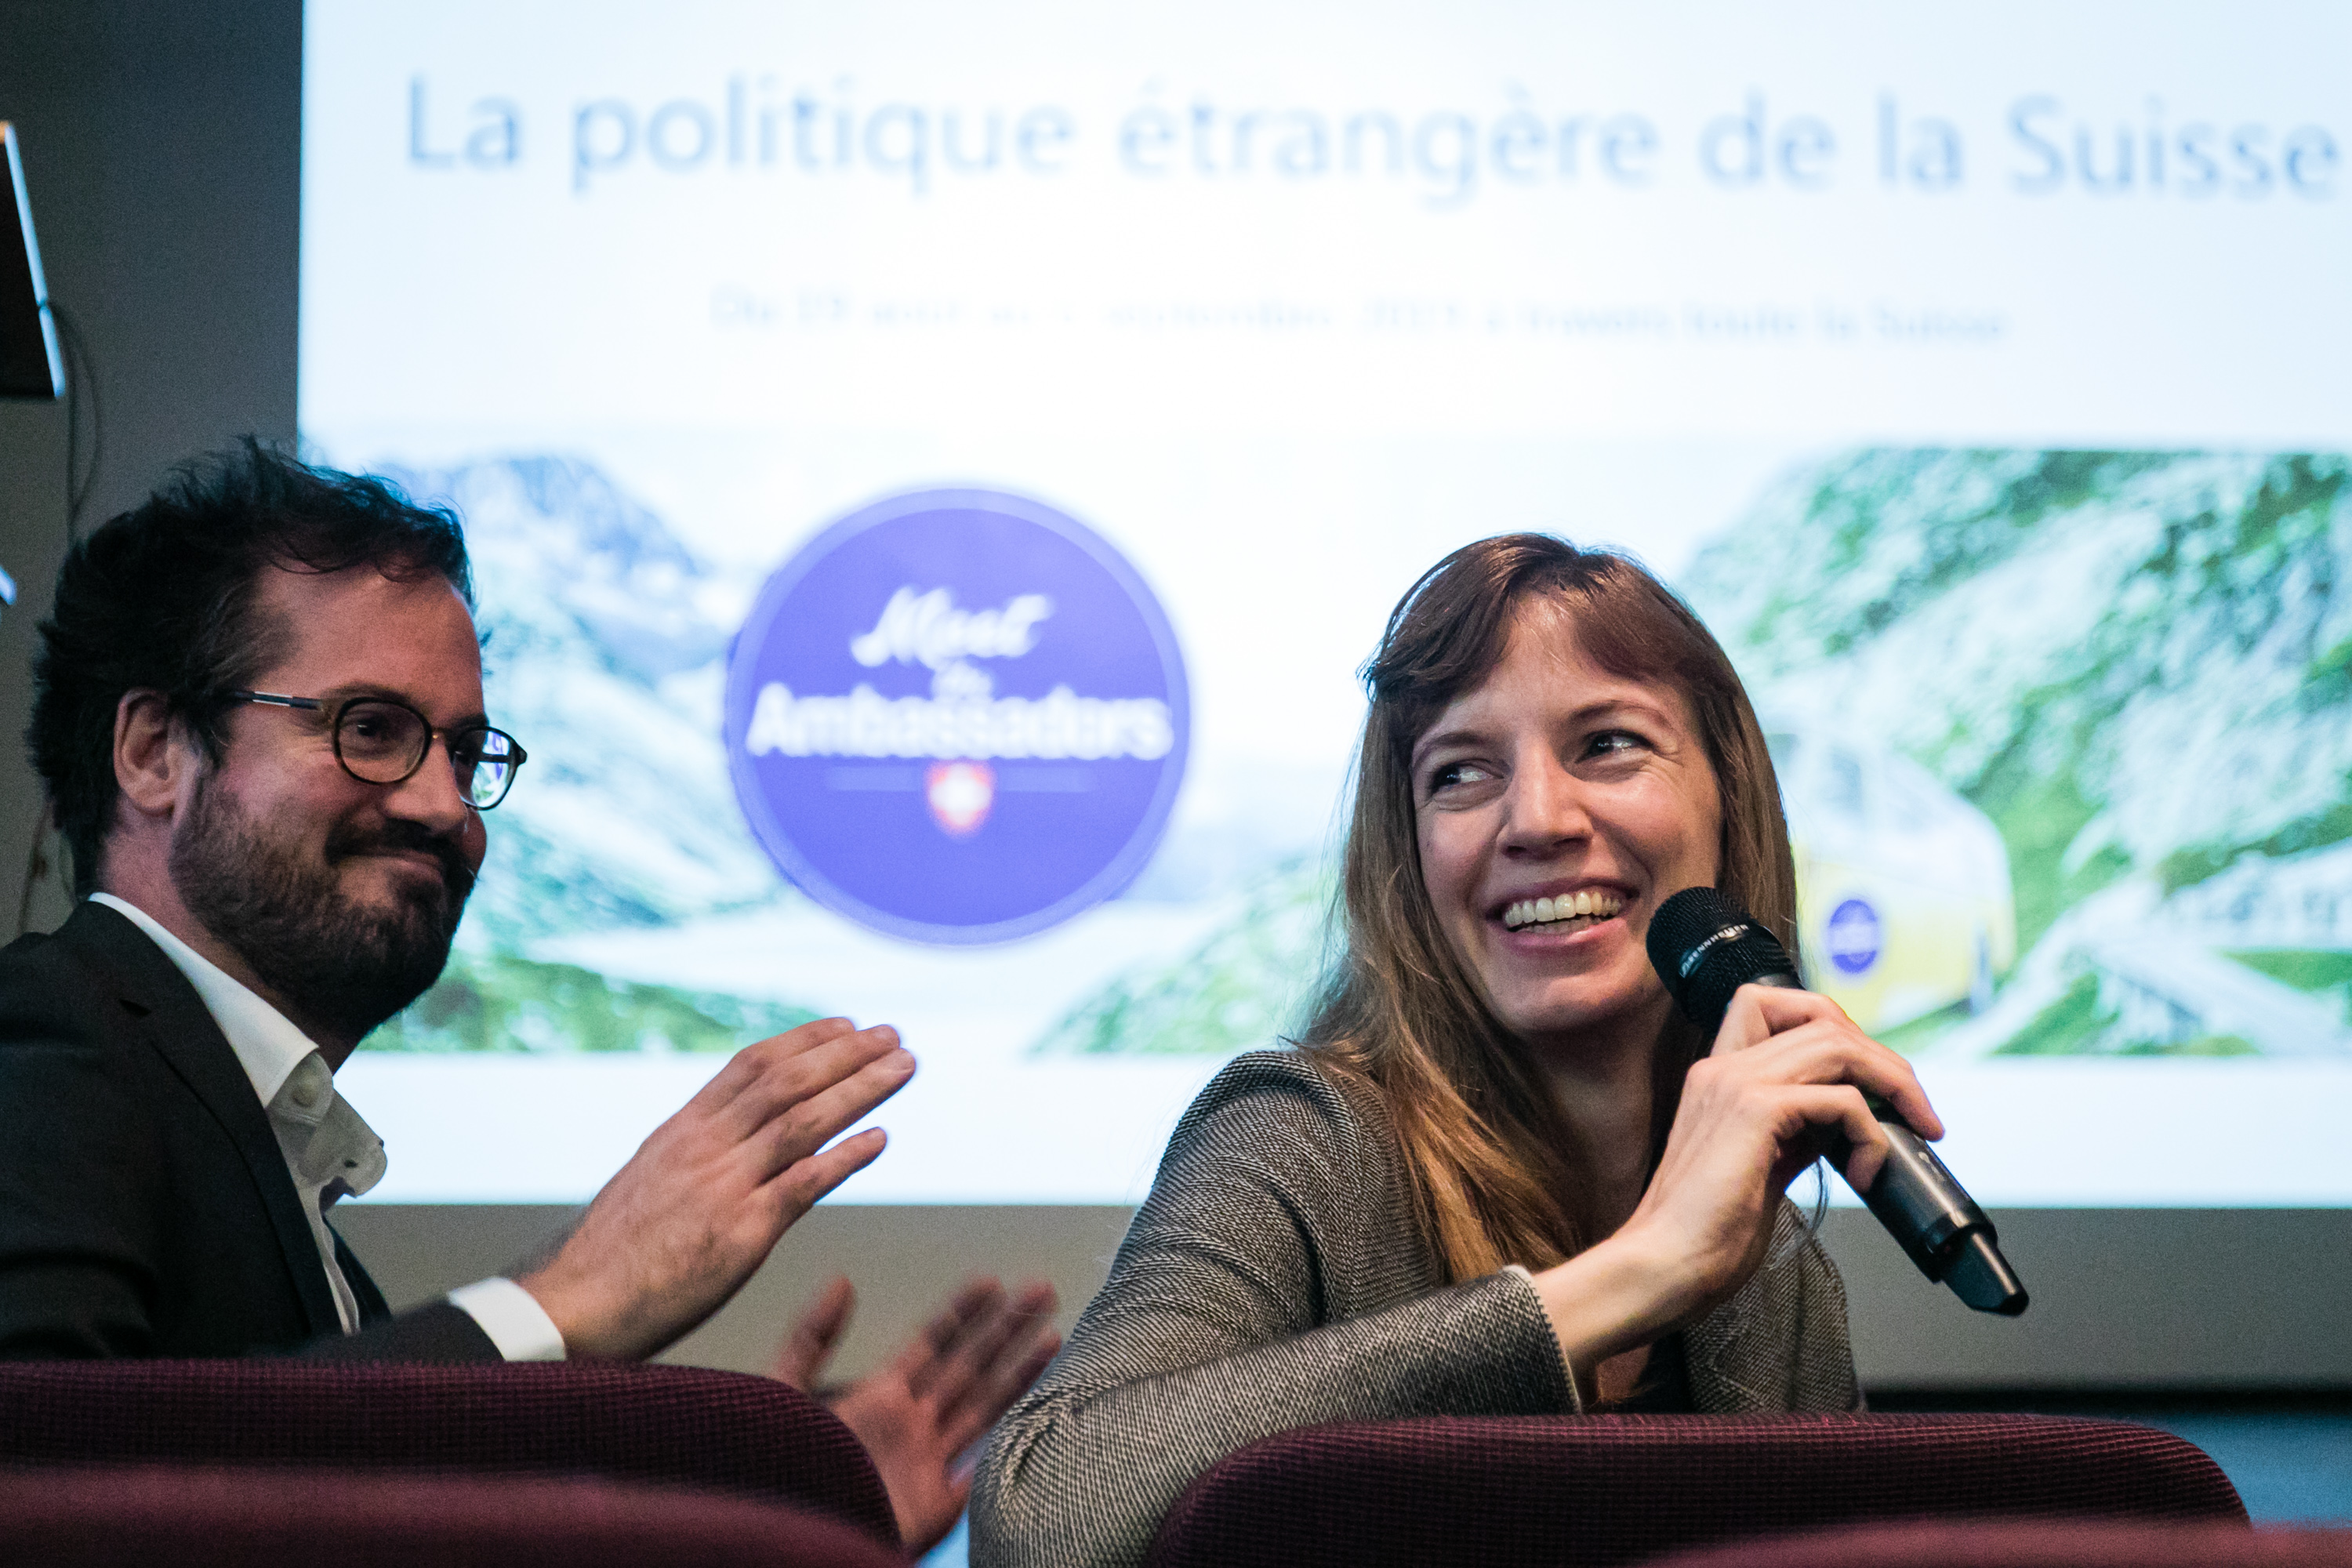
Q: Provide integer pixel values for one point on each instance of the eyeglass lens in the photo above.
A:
(384, 743)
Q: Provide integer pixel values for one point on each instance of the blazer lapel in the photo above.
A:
(373, 1307)
(180, 1028)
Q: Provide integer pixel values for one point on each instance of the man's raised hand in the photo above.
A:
(704, 1200)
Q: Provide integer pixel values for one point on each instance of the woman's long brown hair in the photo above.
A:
(1495, 1169)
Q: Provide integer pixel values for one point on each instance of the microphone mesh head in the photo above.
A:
(1704, 948)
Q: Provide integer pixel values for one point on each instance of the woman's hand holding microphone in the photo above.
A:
(1789, 1069)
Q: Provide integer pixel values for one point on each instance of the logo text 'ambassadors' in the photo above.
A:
(957, 716)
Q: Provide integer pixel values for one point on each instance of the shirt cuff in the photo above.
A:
(512, 1318)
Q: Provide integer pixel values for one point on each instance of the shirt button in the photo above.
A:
(310, 1085)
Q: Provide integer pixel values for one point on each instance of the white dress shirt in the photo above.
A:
(331, 1152)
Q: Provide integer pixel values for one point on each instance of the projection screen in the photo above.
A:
(934, 471)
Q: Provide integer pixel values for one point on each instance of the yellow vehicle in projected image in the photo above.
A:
(1904, 905)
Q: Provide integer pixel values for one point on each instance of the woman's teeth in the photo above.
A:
(1586, 905)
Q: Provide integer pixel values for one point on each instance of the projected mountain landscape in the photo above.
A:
(601, 646)
(2137, 667)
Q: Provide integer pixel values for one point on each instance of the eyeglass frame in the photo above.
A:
(335, 710)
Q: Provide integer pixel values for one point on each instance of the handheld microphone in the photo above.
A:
(1704, 949)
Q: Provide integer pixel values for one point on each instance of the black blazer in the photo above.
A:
(145, 1209)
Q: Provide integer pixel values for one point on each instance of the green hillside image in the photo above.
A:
(2138, 665)
(1239, 989)
(495, 1002)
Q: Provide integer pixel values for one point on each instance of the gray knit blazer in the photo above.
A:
(1276, 1278)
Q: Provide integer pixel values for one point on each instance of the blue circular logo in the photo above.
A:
(957, 716)
(1853, 936)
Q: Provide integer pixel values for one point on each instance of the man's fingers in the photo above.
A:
(1041, 1356)
(781, 1073)
(785, 1077)
(746, 1066)
(1037, 1299)
(1005, 1383)
(797, 1187)
(946, 1376)
(931, 1349)
(1033, 1310)
(813, 1335)
(985, 1336)
(972, 1298)
(996, 1347)
(1020, 1367)
(920, 1359)
(807, 1126)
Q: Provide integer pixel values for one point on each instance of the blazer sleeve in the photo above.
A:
(440, 1333)
(1212, 1330)
(79, 1215)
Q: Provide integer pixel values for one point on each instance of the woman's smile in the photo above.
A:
(1563, 912)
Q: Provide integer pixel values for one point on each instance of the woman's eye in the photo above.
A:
(1456, 774)
(1612, 742)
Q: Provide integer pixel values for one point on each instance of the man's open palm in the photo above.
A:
(918, 1414)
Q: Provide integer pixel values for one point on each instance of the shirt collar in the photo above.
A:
(267, 1045)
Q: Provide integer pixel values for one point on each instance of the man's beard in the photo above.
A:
(343, 967)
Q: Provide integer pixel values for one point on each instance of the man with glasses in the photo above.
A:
(259, 714)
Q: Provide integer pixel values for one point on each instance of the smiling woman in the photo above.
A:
(1546, 721)
(1499, 1174)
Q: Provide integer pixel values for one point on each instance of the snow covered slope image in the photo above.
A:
(602, 640)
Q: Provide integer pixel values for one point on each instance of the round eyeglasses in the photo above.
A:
(380, 741)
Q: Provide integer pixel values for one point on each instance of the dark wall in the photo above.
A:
(163, 151)
(162, 146)
(2122, 1299)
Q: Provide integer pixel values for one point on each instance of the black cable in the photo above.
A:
(81, 387)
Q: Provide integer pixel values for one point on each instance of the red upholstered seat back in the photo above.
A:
(233, 1517)
(684, 1425)
(1595, 1490)
(2033, 1543)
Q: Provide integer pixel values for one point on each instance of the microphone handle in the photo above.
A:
(1926, 1210)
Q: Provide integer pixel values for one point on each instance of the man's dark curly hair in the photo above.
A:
(163, 597)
